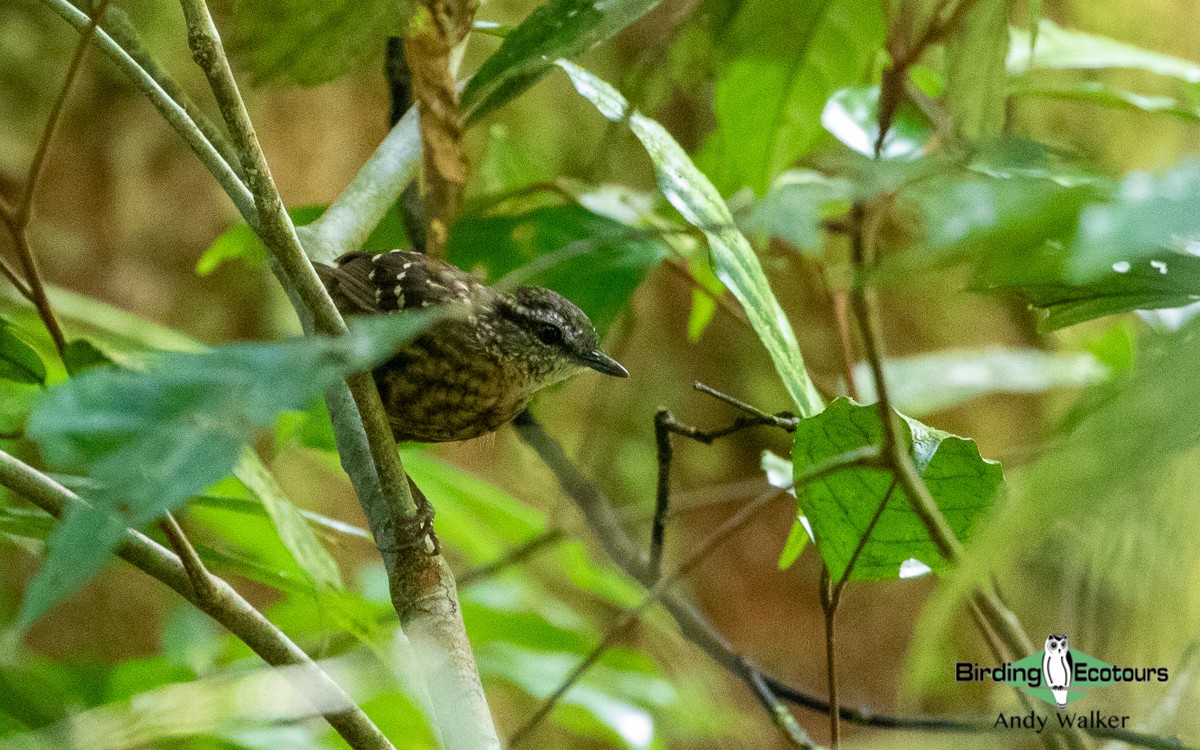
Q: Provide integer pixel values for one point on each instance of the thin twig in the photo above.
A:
(42, 152)
(174, 114)
(848, 460)
(11, 275)
(831, 599)
(601, 517)
(665, 425)
(702, 551)
(16, 218)
(202, 580)
(785, 420)
(1001, 622)
(226, 606)
(515, 556)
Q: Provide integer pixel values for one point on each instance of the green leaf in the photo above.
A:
(782, 61)
(927, 383)
(602, 260)
(1142, 285)
(505, 166)
(18, 361)
(152, 439)
(1148, 218)
(1068, 49)
(559, 28)
(957, 214)
(852, 116)
(690, 192)
(976, 79)
(22, 522)
(311, 41)
(474, 517)
(1107, 95)
(241, 243)
(81, 355)
(840, 506)
(293, 527)
(319, 522)
(483, 523)
(796, 542)
(796, 207)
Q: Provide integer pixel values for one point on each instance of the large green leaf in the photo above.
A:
(976, 79)
(734, 261)
(313, 41)
(781, 62)
(1142, 285)
(559, 28)
(926, 383)
(1149, 218)
(149, 440)
(595, 262)
(293, 528)
(840, 506)
(1068, 49)
(983, 213)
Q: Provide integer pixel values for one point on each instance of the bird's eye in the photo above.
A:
(548, 334)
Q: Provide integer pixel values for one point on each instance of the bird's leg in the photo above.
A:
(417, 529)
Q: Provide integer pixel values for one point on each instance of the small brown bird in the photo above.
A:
(466, 376)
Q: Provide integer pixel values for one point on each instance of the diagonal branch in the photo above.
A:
(174, 114)
(223, 604)
(422, 586)
(795, 734)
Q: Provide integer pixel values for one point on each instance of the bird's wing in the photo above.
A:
(397, 280)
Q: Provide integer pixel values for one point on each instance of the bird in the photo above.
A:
(467, 375)
(1057, 666)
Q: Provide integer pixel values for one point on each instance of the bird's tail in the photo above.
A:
(1060, 698)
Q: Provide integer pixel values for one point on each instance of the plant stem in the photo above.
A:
(224, 605)
(171, 111)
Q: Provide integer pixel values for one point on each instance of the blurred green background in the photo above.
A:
(1093, 538)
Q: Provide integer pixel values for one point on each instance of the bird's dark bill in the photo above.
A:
(601, 362)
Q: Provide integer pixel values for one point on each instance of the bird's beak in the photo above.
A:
(601, 362)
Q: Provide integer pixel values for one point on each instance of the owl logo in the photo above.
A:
(1057, 667)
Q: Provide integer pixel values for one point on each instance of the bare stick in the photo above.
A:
(422, 586)
(16, 218)
(726, 530)
(831, 598)
(783, 419)
(516, 556)
(202, 580)
(666, 425)
(601, 517)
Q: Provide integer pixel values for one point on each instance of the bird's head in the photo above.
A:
(545, 335)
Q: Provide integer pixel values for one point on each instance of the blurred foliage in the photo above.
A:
(1043, 157)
